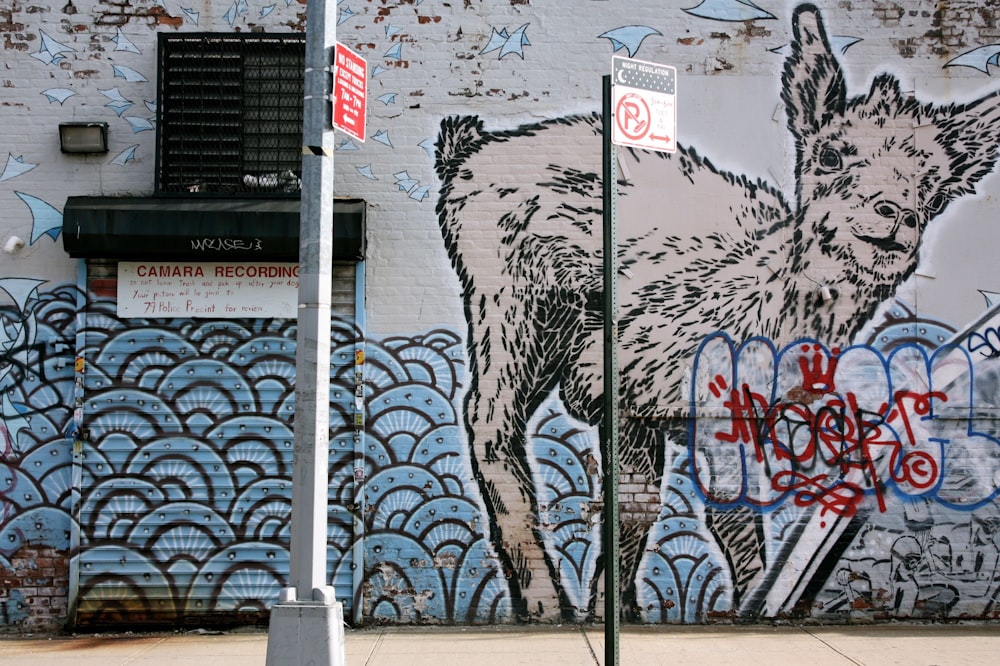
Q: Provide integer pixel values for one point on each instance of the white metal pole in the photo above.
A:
(307, 623)
(312, 358)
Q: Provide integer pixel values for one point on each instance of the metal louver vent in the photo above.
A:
(229, 114)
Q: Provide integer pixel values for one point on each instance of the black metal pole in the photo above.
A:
(612, 532)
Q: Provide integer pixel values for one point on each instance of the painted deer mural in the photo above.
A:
(521, 220)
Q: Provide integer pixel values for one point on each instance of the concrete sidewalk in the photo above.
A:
(880, 645)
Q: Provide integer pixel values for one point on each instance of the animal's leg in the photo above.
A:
(737, 529)
(641, 447)
(502, 468)
(642, 453)
(739, 533)
(512, 377)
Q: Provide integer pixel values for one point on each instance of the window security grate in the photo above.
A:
(229, 116)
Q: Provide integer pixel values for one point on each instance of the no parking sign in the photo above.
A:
(644, 104)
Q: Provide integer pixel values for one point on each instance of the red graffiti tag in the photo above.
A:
(825, 450)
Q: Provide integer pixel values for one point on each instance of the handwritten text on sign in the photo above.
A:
(210, 290)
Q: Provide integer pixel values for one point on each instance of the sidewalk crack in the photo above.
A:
(133, 657)
(378, 643)
(829, 645)
(590, 647)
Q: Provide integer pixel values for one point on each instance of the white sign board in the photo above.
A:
(644, 104)
(208, 290)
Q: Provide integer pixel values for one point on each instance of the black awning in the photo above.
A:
(147, 228)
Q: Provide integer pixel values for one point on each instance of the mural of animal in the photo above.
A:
(520, 213)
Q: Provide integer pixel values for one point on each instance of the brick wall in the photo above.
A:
(432, 60)
(34, 591)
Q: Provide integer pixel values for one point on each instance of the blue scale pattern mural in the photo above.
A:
(180, 490)
(186, 466)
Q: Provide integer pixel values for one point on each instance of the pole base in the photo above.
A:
(306, 633)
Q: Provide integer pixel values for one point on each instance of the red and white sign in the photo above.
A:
(644, 102)
(350, 92)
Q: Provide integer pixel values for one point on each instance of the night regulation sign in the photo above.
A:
(350, 91)
(644, 103)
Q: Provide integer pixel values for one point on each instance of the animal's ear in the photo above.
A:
(965, 140)
(813, 87)
(460, 137)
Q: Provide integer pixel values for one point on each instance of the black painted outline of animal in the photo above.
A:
(523, 232)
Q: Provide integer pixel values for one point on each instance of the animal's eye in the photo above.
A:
(830, 158)
(936, 204)
(885, 209)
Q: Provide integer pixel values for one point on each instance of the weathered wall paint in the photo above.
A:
(785, 454)
(36, 481)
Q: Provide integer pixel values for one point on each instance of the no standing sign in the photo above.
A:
(349, 92)
(644, 104)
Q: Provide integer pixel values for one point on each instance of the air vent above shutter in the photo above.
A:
(229, 115)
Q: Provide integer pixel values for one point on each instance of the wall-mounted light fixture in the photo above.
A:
(83, 137)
